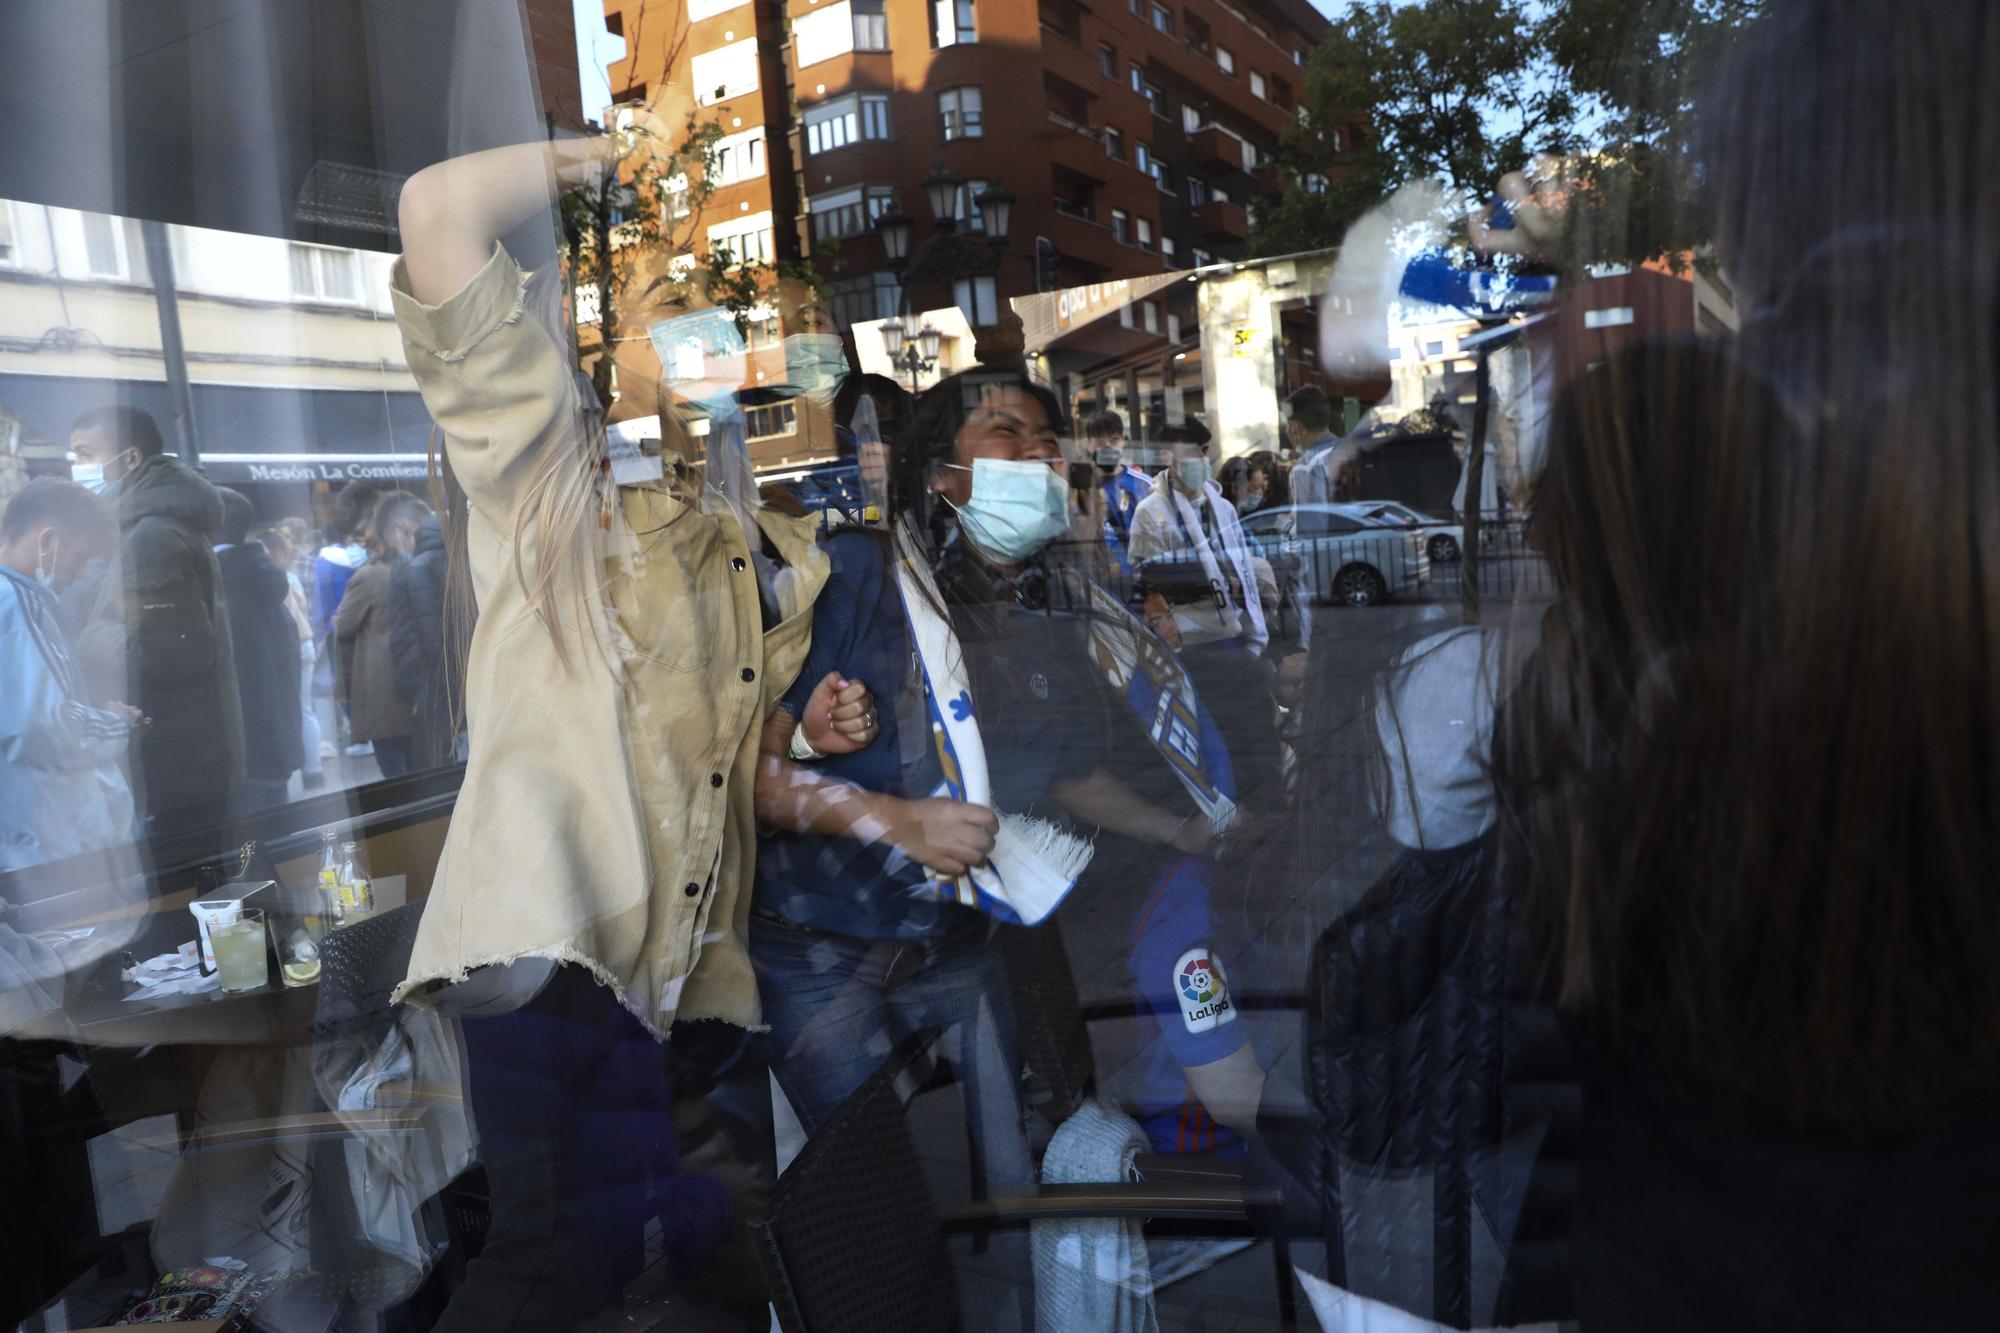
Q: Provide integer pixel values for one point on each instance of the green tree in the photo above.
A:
(1460, 92)
(1453, 90)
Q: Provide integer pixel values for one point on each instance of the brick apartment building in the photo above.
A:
(1131, 133)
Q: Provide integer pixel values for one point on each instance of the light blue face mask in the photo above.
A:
(1194, 473)
(815, 364)
(701, 358)
(1016, 508)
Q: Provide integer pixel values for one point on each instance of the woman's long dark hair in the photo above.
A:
(1752, 775)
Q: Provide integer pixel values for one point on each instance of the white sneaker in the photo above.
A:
(357, 750)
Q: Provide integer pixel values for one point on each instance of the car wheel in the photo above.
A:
(1444, 549)
(1358, 585)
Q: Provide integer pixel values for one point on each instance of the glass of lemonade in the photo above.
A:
(240, 953)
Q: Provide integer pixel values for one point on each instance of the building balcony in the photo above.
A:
(1223, 222)
(1212, 149)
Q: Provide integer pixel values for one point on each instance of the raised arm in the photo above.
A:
(452, 213)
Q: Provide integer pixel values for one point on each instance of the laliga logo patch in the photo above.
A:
(1204, 992)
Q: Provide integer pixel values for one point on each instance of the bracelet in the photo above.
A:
(801, 749)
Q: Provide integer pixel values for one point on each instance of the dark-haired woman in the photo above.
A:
(853, 951)
(1753, 781)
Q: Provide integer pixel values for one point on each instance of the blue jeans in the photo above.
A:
(838, 1006)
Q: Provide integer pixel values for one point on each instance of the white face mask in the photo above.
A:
(816, 363)
(1193, 473)
(1017, 507)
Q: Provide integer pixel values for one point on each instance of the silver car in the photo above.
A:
(1343, 554)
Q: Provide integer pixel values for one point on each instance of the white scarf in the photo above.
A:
(1034, 863)
(1249, 615)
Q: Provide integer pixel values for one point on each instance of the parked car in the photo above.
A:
(1441, 535)
(1345, 554)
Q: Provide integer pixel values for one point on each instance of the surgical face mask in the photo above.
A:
(1193, 472)
(1108, 457)
(815, 363)
(1016, 508)
(1248, 504)
(91, 476)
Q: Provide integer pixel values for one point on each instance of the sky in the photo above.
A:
(596, 48)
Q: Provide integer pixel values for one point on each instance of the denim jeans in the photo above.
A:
(838, 1006)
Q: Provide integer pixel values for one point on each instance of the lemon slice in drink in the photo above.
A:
(302, 973)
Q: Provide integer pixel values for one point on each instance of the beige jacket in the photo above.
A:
(607, 816)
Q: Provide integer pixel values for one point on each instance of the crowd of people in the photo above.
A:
(239, 657)
(1669, 1003)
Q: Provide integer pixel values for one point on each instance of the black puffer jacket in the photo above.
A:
(178, 657)
(1446, 1101)
(266, 643)
(417, 641)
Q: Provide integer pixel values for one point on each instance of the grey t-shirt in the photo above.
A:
(1435, 721)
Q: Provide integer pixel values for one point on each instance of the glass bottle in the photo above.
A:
(329, 880)
(357, 893)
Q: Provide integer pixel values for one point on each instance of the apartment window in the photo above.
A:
(1249, 156)
(1145, 232)
(823, 34)
(1107, 60)
(1121, 226)
(104, 246)
(1298, 56)
(870, 296)
(1198, 191)
(1149, 315)
(1607, 317)
(1226, 59)
(1190, 119)
(738, 157)
(1256, 84)
(1202, 259)
(1163, 19)
(763, 329)
(676, 197)
(743, 241)
(320, 274)
(762, 423)
(725, 72)
(1281, 92)
(849, 212)
(1157, 100)
(846, 120)
(1173, 328)
(871, 25)
(1125, 315)
(979, 298)
(1167, 250)
(952, 23)
(1138, 78)
(1114, 144)
(959, 110)
(1142, 158)
(1435, 347)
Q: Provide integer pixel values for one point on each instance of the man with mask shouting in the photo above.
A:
(164, 595)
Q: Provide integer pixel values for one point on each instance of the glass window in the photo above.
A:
(865, 297)
(850, 212)
(871, 25)
(952, 23)
(1163, 19)
(1190, 119)
(1167, 250)
(773, 419)
(744, 240)
(959, 113)
(824, 33)
(1142, 157)
(1114, 143)
(320, 274)
(104, 246)
(1149, 316)
(1138, 78)
(1107, 60)
(728, 71)
(1121, 223)
(846, 120)
(738, 157)
(1256, 84)
(1226, 59)
(1145, 234)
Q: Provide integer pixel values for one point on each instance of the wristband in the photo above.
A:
(801, 748)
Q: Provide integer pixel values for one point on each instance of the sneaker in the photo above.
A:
(359, 749)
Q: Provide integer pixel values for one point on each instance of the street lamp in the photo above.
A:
(895, 228)
(911, 353)
(941, 187)
(996, 212)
